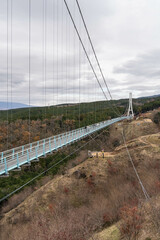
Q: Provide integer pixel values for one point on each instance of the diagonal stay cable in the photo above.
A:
(147, 197)
(93, 48)
(7, 77)
(135, 170)
(45, 171)
(98, 63)
(94, 140)
(29, 70)
(80, 39)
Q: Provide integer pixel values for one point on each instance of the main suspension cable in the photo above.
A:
(53, 56)
(29, 70)
(80, 39)
(93, 49)
(7, 68)
(11, 74)
(84, 49)
(147, 197)
(94, 52)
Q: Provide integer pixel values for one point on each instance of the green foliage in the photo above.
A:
(149, 105)
(157, 118)
(55, 118)
(17, 179)
(84, 111)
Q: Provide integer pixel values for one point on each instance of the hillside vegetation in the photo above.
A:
(100, 198)
(47, 121)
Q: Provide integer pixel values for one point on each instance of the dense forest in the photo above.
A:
(45, 122)
(48, 121)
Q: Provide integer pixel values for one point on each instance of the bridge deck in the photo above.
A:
(14, 158)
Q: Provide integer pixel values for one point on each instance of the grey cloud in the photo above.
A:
(16, 79)
(145, 65)
(114, 40)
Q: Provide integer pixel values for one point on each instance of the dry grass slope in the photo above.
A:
(90, 197)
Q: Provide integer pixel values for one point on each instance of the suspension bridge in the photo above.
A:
(14, 158)
(74, 88)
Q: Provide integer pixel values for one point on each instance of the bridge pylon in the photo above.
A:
(130, 108)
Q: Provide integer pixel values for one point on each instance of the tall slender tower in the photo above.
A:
(130, 109)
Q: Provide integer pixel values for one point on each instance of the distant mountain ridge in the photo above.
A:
(153, 96)
(14, 105)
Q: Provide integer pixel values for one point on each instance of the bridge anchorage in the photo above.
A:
(14, 158)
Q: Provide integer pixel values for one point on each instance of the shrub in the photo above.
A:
(116, 143)
(156, 118)
(112, 169)
(131, 222)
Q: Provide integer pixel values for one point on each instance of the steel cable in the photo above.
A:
(98, 63)
(45, 171)
(135, 170)
(29, 70)
(84, 49)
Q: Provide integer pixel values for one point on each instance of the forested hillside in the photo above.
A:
(48, 121)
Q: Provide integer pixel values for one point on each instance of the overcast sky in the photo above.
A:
(126, 38)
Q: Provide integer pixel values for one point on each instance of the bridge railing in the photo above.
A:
(21, 149)
(16, 157)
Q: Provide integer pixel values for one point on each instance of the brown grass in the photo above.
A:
(73, 207)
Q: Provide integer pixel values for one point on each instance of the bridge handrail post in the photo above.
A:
(22, 149)
(67, 137)
(30, 147)
(5, 162)
(82, 133)
(17, 161)
(13, 154)
(69, 134)
(78, 133)
(2, 158)
(55, 144)
(44, 147)
(63, 137)
(60, 140)
(36, 150)
(28, 156)
(50, 144)
(72, 136)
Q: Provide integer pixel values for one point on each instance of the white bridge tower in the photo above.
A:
(130, 109)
